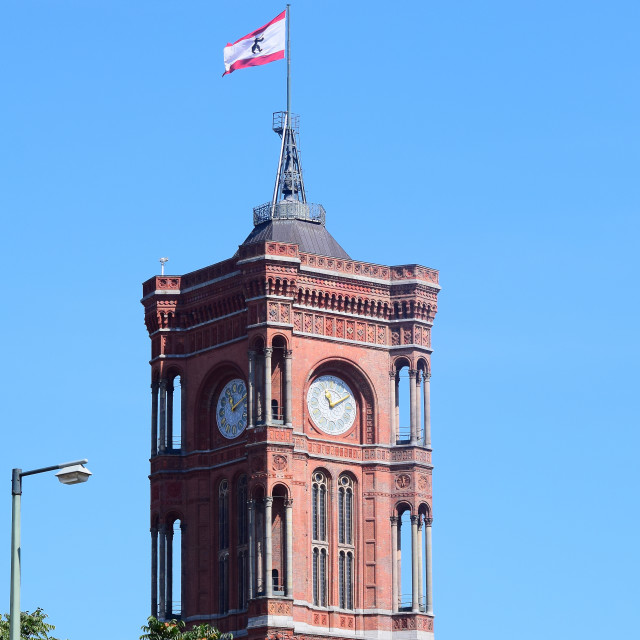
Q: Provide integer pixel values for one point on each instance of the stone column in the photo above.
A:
(394, 563)
(414, 563)
(170, 390)
(250, 505)
(427, 410)
(428, 522)
(162, 579)
(288, 406)
(183, 414)
(163, 416)
(268, 502)
(418, 408)
(397, 407)
(184, 583)
(412, 408)
(154, 419)
(392, 407)
(154, 572)
(399, 565)
(259, 390)
(420, 567)
(250, 388)
(289, 524)
(267, 386)
(169, 597)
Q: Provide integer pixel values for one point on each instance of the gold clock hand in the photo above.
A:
(234, 406)
(337, 402)
(327, 395)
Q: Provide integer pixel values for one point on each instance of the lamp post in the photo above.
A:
(70, 473)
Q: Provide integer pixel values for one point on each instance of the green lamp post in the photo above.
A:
(70, 473)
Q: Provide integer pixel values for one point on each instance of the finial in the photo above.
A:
(162, 262)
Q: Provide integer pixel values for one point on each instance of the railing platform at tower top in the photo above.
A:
(289, 210)
(406, 604)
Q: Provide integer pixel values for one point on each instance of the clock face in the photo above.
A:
(331, 405)
(231, 410)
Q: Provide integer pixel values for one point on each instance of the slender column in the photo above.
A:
(250, 505)
(288, 406)
(154, 572)
(268, 502)
(397, 408)
(184, 583)
(399, 565)
(163, 415)
(154, 418)
(259, 390)
(267, 385)
(394, 563)
(420, 567)
(162, 581)
(427, 410)
(260, 550)
(183, 415)
(170, 389)
(418, 408)
(428, 522)
(412, 408)
(250, 388)
(414, 563)
(289, 523)
(392, 407)
(169, 603)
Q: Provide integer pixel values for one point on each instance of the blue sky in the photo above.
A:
(494, 141)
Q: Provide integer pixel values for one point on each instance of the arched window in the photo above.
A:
(345, 510)
(319, 507)
(242, 580)
(243, 518)
(320, 548)
(346, 548)
(223, 589)
(223, 515)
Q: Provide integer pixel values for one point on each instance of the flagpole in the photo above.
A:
(288, 68)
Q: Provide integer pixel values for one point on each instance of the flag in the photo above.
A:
(261, 46)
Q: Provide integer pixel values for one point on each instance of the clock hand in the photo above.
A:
(337, 402)
(327, 395)
(233, 406)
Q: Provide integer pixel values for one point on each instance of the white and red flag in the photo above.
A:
(261, 46)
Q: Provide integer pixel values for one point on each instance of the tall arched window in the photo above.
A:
(223, 586)
(346, 548)
(243, 537)
(223, 547)
(223, 515)
(320, 547)
(242, 511)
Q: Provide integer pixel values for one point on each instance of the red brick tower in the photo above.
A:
(281, 461)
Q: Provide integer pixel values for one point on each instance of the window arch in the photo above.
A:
(346, 547)
(320, 546)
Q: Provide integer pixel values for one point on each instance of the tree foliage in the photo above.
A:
(174, 630)
(32, 626)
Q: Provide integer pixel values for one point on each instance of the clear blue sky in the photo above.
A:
(496, 141)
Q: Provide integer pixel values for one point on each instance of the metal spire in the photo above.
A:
(289, 199)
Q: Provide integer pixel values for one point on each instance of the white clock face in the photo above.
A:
(231, 410)
(331, 405)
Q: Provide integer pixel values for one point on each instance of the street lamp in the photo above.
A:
(70, 473)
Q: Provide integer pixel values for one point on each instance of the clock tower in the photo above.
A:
(290, 434)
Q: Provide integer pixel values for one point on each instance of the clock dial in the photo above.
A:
(231, 410)
(331, 405)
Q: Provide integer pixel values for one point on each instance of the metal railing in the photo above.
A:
(289, 210)
(406, 603)
(404, 435)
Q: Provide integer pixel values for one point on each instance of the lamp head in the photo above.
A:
(74, 474)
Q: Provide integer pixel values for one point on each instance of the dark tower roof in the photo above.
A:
(311, 237)
(289, 218)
